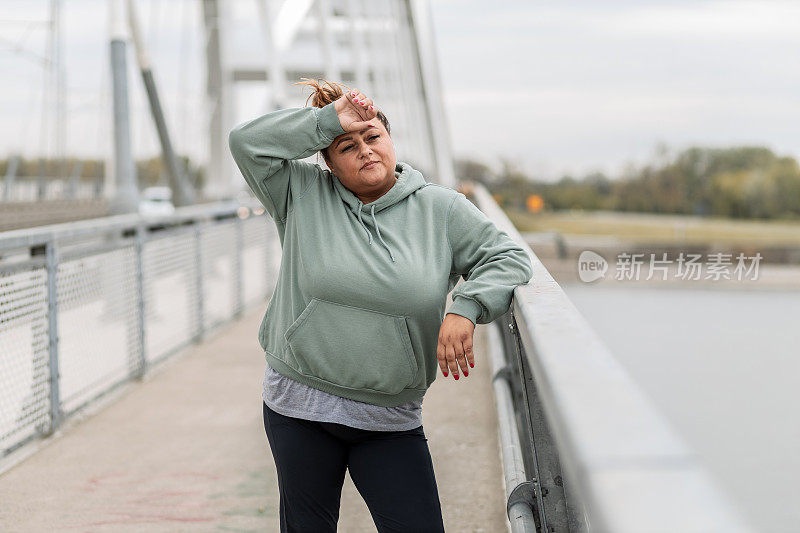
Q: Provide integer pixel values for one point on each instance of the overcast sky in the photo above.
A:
(575, 85)
(557, 86)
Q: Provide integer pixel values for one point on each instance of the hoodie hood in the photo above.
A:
(408, 181)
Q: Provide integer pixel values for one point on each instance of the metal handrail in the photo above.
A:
(37, 236)
(519, 512)
(626, 469)
(40, 261)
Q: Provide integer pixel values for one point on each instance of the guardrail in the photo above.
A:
(87, 306)
(565, 404)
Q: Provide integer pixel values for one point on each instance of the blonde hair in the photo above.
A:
(322, 96)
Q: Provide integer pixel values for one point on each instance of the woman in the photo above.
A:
(356, 325)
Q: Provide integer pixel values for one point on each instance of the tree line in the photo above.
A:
(737, 182)
(149, 171)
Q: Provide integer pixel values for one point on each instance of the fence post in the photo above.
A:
(140, 240)
(198, 236)
(51, 265)
(238, 271)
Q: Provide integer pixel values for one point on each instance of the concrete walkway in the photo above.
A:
(185, 450)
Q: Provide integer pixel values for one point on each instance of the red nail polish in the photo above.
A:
(446, 374)
(471, 365)
(466, 373)
(455, 376)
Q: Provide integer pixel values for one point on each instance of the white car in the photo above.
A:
(156, 201)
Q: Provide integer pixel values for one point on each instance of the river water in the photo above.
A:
(723, 365)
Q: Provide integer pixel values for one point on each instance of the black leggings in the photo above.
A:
(392, 471)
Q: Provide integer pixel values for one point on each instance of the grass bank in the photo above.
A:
(666, 229)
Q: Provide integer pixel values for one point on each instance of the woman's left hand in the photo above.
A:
(455, 344)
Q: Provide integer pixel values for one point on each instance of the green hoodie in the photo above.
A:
(362, 288)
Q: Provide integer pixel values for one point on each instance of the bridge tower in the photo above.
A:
(384, 48)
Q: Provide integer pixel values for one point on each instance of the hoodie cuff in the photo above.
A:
(328, 120)
(466, 308)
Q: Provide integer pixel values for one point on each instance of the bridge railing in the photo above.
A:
(87, 306)
(566, 405)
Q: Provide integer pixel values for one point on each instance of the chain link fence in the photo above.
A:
(86, 306)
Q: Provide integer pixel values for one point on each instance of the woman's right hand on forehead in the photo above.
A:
(355, 110)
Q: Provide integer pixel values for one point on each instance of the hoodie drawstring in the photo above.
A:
(378, 229)
(379, 234)
(362, 222)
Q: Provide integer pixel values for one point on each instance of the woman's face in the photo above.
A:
(350, 152)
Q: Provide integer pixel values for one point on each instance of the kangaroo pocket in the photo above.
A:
(352, 347)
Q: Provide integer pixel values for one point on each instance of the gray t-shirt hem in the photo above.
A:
(292, 398)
